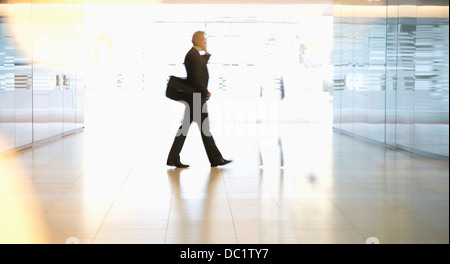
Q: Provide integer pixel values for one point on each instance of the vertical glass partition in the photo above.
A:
(7, 128)
(391, 73)
(15, 76)
(406, 51)
(392, 37)
(431, 104)
(23, 101)
(41, 53)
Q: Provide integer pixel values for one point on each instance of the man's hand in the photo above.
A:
(208, 96)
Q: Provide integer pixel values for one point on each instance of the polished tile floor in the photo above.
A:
(109, 184)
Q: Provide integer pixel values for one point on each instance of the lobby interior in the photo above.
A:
(335, 114)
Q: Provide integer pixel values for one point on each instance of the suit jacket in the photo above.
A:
(197, 70)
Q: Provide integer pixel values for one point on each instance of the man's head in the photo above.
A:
(199, 39)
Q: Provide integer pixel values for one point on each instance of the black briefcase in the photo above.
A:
(178, 88)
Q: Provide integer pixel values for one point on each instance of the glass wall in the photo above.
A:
(41, 88)
(391, 73)
(259, 53)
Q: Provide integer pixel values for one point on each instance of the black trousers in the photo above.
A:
(196, 111)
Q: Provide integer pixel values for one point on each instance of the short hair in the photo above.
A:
(197, 36)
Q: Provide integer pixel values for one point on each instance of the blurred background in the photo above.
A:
(372, 69)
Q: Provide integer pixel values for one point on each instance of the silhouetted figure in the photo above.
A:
(196, 108)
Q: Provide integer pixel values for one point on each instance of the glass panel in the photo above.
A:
(431, 104)
(7, 95)
(79, 100)
(23, 76)
(406, 74)
(347, 64)
(376, 72)
(68, 85)
(42, 80)
(56, 72)
(361, 37)
(396, 77)
(338, 78)
(391, 71)
(36, 71)
(77, 44)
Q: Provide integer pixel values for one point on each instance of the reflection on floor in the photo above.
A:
(109, 184)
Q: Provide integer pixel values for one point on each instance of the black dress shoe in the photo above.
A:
(177, 164)
(221, 163)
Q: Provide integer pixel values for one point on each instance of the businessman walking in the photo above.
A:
(196, 108)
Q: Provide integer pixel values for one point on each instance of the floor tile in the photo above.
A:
(308, 189)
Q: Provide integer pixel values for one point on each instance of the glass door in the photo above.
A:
(391, 71)
(406, 74)
(23, 77)
(7, 100)
(67, 84)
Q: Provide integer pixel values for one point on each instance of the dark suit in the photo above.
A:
(196, 110)
(197, 70)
